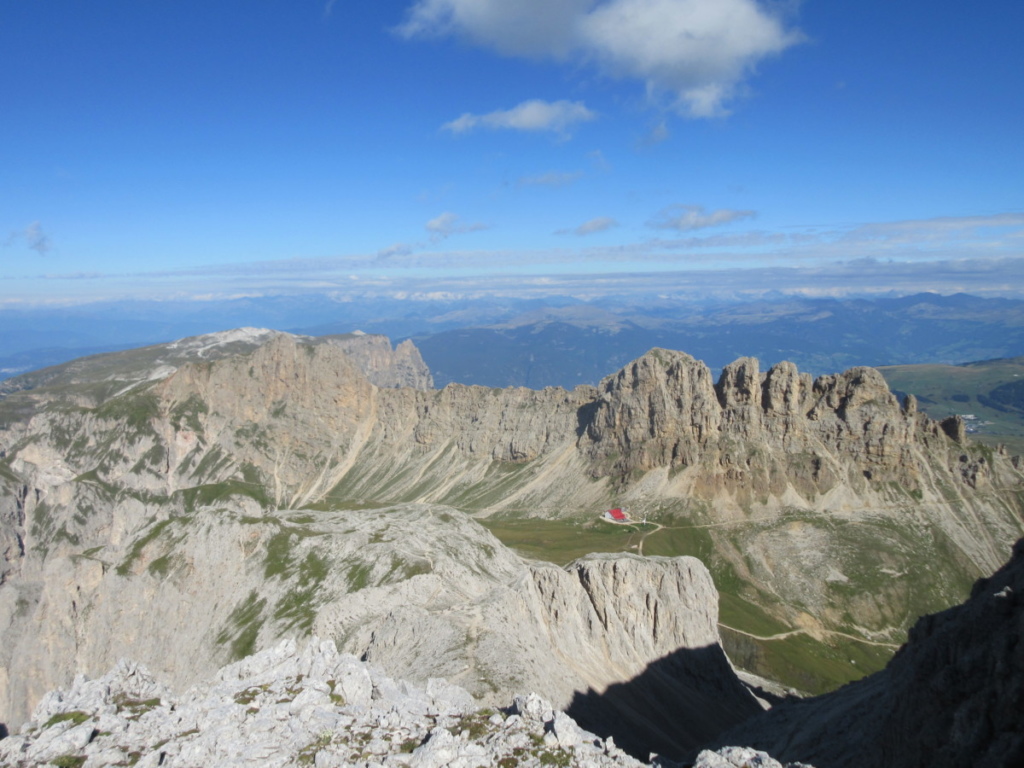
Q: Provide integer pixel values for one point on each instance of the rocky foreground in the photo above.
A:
(312, 706)
(419, 590)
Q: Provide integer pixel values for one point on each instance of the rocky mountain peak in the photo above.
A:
(656, 411)
(785, 390)
(663, 410)
(385, 367)
(327, 503)
(845, 392)
(285, 369)
(740, 384)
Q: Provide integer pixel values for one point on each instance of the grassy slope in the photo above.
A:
(754, 638)
(937, 385)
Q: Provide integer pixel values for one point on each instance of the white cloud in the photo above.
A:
(448, 224)
(600, 224)
(745, 240)
(977, 254)
(656, 135)
(533, 115)
(599, 161)
(689, 217)
(696, 51)
(33, 237)
(551, 179)
(533, 28)
(938, 229)
(394, 251)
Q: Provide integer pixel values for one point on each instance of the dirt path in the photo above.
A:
(469, 673)
(640, 546)
(790, 633)
(635, 525)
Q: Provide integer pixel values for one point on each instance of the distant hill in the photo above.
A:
(567, 346)
(37, 337)
(557, 340)
(988, 395)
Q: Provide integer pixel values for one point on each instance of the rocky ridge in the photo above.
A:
(781, 482)
(423, 591)
(385, 367)
(92, 380)
(288, 706)
(764, 433)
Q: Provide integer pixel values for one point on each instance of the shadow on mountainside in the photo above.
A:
(952, 696)
(585, 417)
(678, 704)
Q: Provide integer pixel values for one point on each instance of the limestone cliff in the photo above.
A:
(421, 591)
(761, 434)
(385, 367)
(825, 507)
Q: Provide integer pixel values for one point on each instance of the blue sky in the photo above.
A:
(161, 148)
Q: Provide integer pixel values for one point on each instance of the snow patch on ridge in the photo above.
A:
(208, 341)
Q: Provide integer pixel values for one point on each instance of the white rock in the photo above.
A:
(710, 759)
(438, 751)
(309, 723)
(744, 757)
(567, 733)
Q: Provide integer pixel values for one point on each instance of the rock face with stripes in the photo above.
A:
(326, 502)
(422, 591)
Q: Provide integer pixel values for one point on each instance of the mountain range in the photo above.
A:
(555, 340)
(580, 344)
(191, 503)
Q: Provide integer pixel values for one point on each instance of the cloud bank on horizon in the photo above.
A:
(979, 255)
